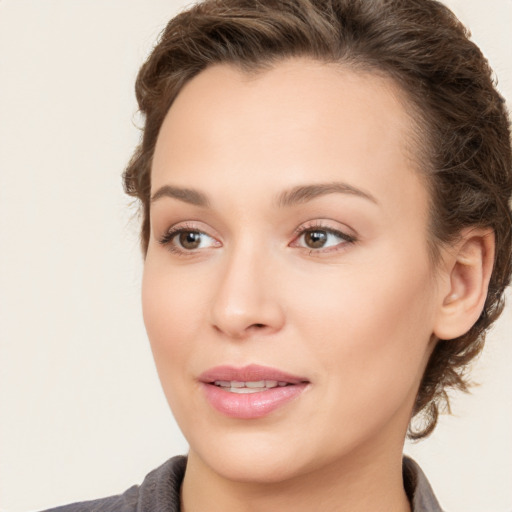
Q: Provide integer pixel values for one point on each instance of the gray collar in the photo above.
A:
(160, 492)
(418, 489)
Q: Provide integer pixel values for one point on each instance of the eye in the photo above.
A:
(182, 240)
(189, 239)
(320, 237)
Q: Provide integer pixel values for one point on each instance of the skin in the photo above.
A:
(357, 317)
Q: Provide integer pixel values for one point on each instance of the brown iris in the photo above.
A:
(315, 239)
(190, 239)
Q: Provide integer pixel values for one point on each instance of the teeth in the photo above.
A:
(257, 384)
(245, 391)
(235, 386)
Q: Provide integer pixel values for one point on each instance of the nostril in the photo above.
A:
(258, 326)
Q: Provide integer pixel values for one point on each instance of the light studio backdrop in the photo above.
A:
(81, 411)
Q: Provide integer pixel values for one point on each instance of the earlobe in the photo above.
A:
(469, 264)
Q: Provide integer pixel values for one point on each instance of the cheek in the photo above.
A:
(171, 304)
(171, 311)
(368, 340)
(369, 332)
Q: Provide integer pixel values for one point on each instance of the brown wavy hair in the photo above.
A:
(462, 130)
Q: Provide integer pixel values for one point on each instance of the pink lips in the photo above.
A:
(254, 404)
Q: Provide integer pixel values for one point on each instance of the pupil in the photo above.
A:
(316, 239)
(190, 240)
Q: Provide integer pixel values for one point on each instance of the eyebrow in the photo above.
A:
(304, 193)
(186, 195)
(297, 195)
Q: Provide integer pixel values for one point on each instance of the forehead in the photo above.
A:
(299, 121)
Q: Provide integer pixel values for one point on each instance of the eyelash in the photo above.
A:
(168, 238)
(320, 226)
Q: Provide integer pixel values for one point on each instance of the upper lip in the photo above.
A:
(250, 373)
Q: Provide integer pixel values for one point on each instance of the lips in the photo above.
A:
(250, 392)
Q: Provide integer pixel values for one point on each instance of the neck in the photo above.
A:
(356, 484)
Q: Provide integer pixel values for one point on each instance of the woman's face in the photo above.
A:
(288, 294)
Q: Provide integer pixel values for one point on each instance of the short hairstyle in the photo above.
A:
(461, 123)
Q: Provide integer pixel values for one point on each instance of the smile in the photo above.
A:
(250, 392)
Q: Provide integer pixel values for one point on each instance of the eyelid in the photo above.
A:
(185, 227)
(324, 225)
(345, 235)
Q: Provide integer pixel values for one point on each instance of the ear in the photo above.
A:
(468, 266)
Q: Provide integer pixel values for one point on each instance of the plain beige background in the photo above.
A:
(81, 410)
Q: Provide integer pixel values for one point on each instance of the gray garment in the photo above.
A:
(418, 489)
(160, 492)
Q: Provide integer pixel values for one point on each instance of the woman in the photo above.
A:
(326, 233)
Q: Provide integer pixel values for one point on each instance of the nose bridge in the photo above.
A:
(246, 300)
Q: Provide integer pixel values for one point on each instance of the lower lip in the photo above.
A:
(251, 405)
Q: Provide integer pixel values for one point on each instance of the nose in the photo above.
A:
(246, 302)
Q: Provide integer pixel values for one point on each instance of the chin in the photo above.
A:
(256, 457)
(257, 468)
